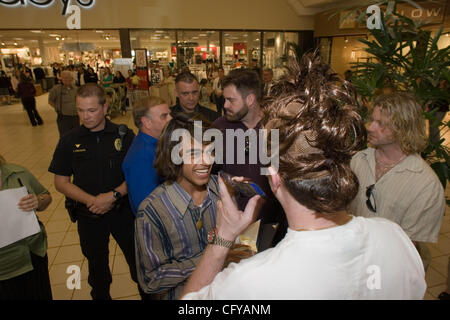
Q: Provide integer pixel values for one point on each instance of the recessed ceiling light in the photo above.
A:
(54, 35)
(57, 38)
(99, 31)
(15, 43)
(36, 31)
(3, 43)
(159, 31)
(17, 38)
(202, 34)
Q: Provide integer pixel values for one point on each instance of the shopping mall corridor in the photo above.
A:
(32, 147)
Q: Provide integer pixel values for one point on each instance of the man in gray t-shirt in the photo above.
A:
(62, 99)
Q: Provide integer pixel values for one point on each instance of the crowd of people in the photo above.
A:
(332, 213)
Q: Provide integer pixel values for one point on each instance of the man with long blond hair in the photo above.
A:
(394, 181)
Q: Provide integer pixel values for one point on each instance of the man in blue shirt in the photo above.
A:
(150, 116)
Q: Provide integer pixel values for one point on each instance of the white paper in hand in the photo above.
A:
(15, 224)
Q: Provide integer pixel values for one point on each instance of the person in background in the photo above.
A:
(107, 78)
(24, 263)
(90, 76)
(56, 72)
(204, 93)
(132, 83)
(80, 76)
(218, 90)
(26, 91)
(242, 90)
(187, 90)
(150, 116)
(348, 75)
(119, 78)
(327, 253)
(62, 99)
(395, 183)
(5, 85)
(268, 80)
(173, 221)
(15, 79)
(440, 108)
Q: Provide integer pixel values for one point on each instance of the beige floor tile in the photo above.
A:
(440, 264)
(71, 238)
(57, 226)
(85, 270)
(60, 292)
(443, 244)
(120, 265)
(112, 247)
(123, 286)
(68, 254)
(434, 278)
(58, 272)
(428, 296)
(445, 228)
(84, 293)
(436, 290)
(435, 252)
(73, 227)
(59, 215)
(55, 239)
(52, 255)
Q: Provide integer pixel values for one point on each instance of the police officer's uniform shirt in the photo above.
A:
(93, 158)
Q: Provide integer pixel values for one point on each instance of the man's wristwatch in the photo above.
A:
(116, 194)
(213, 238)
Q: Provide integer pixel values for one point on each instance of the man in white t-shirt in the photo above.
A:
(327, 253)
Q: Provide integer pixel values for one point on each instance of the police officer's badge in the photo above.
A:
(118, 144)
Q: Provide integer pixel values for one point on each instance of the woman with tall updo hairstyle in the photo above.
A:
(326, 253)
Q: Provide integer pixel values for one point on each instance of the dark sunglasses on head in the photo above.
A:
(369, 194)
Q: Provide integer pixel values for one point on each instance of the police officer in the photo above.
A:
(93, 155)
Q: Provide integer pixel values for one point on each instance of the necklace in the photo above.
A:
(383, 168)
(347, 220)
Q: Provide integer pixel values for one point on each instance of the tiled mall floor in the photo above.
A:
(32, 147)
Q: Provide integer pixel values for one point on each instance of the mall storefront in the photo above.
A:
(174, 35)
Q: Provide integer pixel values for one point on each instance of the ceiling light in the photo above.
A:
(17, 38)
(57, 38)
(346, 39)
(15, 43)
(202, 34)
(54, 35)
(99, 31)
(3, 43)
(36, 31)
(159, 31)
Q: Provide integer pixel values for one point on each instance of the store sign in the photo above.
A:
(72, 11)
(66, 4)
(429, 12)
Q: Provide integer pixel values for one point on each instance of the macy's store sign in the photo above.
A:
(72, 11)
